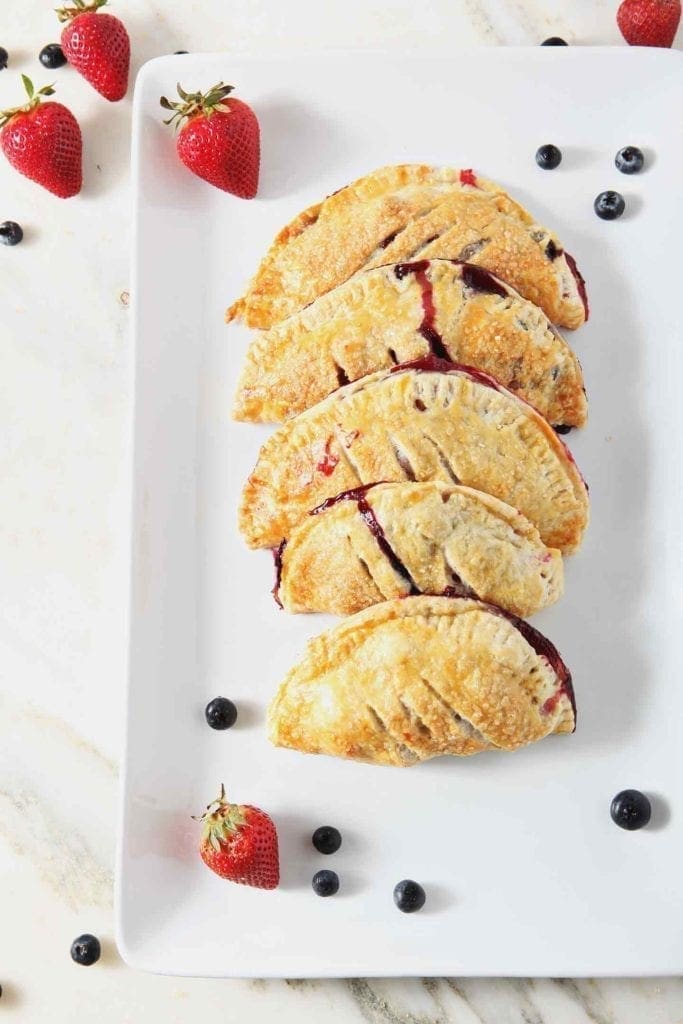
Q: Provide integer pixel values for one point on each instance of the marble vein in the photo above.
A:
(63, 858)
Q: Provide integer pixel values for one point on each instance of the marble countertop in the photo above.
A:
(64, 405)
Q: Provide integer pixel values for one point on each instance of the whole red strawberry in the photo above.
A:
(98, 46)
(43, 142)
(220, 141)
(649, 22)
(239, 842)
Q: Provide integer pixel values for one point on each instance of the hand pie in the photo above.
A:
(397, 313)
(410, 212)
(390, 540)
(412, 679)
(428, 420)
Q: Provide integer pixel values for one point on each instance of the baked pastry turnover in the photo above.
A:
(412, 212)
(427, 420)
(397, 313)
(413, 679)
(390, 540)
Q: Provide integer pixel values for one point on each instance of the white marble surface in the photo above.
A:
(64, 489)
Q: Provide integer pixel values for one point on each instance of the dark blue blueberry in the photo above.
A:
(325, 883)
(327, 839)
(86, 950)
(609, 205)
(11, 233)
(220, 713)
(562, 428)
(409, 896)
(629, 160)
(548, 157)
(52, 56)
(630, 809)
(4, 58)
(179, 53)
(554, 41)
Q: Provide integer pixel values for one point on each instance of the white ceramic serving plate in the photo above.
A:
(524, 871)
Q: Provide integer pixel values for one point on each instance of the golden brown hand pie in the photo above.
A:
(417, 678)
(410, 212)
(429, 420)
(402, 312)
(386, 541)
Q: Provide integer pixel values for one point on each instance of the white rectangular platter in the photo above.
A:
(524, 870)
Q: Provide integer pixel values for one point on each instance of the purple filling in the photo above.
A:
(277, 557)
(459, 589)
(473, 277)
(351, 495)
(580, 283)
(541, 645)
(388, 240)
(427, 327)
(401, 270)
(546, 650)
(480, 280)
(435, 342)
(358, 494)
(435, 364)
(551, 251)
(550, 654)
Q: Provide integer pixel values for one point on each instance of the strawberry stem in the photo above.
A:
(34, 100)
(192, 103)
(79, 7)
(221, 820)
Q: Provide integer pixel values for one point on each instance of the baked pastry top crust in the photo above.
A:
(408, 212)
(425, 421)
(386, 541)
(413, 679)
(398, 313)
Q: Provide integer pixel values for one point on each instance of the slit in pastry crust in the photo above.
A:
(477, 679)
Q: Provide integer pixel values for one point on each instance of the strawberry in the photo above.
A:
(98, 46)
(649, 22)
(239, 842)
(43, 142)
(220, 141)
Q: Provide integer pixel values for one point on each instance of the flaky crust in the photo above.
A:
(423, 424)
(439, 536)
(395, 314)
(412, 679)
(405, 212)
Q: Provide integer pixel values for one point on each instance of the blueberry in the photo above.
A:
(325, 883)
(52, 56)
(11, 233)
(220, 713)
(630, 809)
(327, 839)
(609, 205)
(554, 41)
(178, 53)
(629, 160)
(548, 157)
(86, 950)
(4, 58)
(562, 428)
(409, 896)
